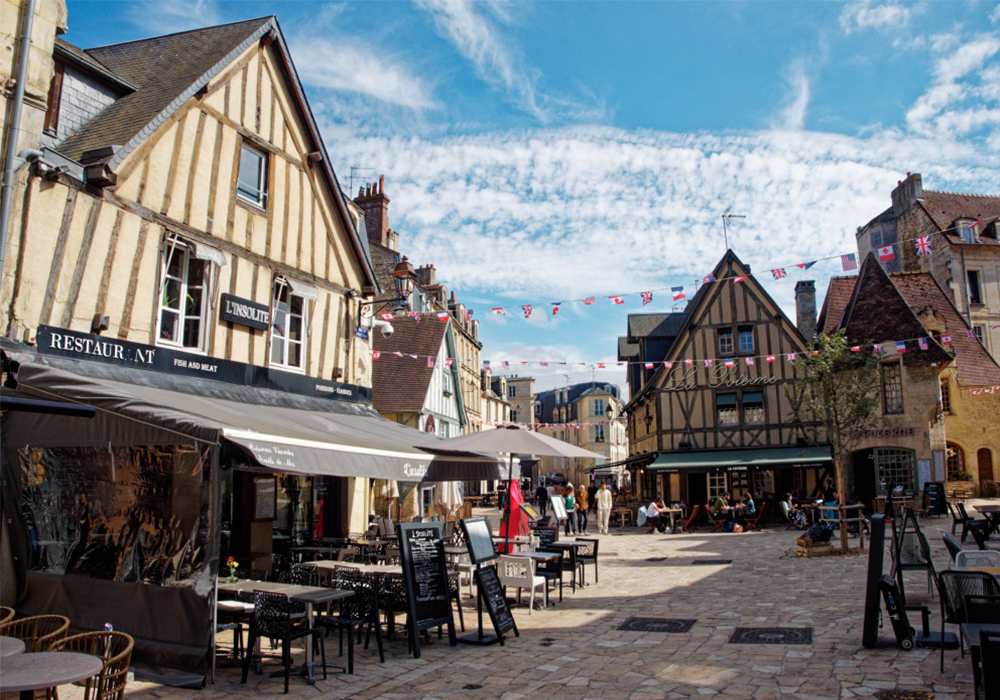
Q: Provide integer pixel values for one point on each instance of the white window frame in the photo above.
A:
(598, 407)
(447, 383)
(599, 435)
(729, 347)
(173, 245)
(259, 197)
(283, 286)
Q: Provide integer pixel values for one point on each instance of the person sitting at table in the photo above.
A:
(721, 507)
(745, 509)
(830, 498)
(654, 516)
(795, 515)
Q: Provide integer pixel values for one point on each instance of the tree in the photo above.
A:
(840, 389)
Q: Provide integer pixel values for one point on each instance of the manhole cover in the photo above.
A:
(471, 686)
(903, 695)
(711, 562)
(771, 635)
(657, 558)
(656, 624)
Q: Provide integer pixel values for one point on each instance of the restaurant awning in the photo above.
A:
(755, 459)
(275, 431)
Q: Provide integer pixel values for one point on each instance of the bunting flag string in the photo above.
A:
(848, 262)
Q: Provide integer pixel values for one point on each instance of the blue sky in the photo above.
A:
(552, 151)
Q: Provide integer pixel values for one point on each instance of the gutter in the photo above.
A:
(14, 128)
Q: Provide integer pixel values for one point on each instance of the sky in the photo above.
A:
(540, 152)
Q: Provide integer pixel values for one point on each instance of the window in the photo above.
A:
(955, 459)
(979, 331)
(716, 485)
(746, 340)
(183, 300)
(725, 342)
(975, 294)
(945, 395)
(763, 482)
(753, 408)
(895, 466)
(288, 327)
(252, 184)
(892, 388)
(511, 392)
(598, 433)
(725, 410)
(447, 383)
(965, 231)
(598, 407)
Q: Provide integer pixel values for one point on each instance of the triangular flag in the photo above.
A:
(739, 278)
(448, 361)
(805, 265)
(647, 297)
(555, 307)
(377, 354)
(526, 308)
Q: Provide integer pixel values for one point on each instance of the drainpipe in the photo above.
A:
(15, 125)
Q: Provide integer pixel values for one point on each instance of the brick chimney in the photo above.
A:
(805, 308)
(426, 276)
(907, 193)
(372, 200)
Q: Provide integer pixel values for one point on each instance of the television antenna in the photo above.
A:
(726, 216)
(356, 169)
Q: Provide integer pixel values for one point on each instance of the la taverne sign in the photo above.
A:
(245, 312)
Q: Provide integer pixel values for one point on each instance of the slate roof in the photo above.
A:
(576, 392)
(838, 296)
(163, 69)
(627, 349)
(644, 325)
(974, 365)
(400, 384)
(944, 207)
(82, 59)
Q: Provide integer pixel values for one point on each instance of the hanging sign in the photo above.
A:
(244, 312)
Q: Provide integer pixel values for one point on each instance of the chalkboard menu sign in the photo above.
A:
(425, 578)
(491, 594)
(546, 536)
(935, 495)
(479, 539)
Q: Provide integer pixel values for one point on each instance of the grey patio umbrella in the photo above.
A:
(514, 439)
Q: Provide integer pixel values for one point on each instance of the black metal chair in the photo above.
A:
(982, 609)
(980, 538)
(391, 598)
(970, 524)
(272, 617)
(953, 545)
(358, 612)
(989, 656)
(953, 587)
(552, 572)
(587, 555)
(304, 575)
(956, 519)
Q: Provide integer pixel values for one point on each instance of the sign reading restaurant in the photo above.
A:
(245, 312)
(85, 346)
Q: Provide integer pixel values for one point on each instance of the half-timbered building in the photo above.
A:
(715, 412)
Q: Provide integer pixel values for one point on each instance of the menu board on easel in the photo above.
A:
(935, 496)
(479, 539)
(491, 594)
(558, 504)
(425, 577)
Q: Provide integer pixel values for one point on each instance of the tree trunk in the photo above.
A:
(841, 472)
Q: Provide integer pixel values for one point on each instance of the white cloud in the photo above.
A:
(858, 16)
(479, 40)
(157, 17)
(995, 15)
(346, 65)
(793, 116)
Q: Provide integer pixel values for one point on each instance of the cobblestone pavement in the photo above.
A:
(573, 650)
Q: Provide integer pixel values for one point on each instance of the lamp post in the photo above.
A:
(404, 279)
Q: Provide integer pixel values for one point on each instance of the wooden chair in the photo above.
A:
(520, 573)
(755, 522)
(114, 649)
(38, 632)
(716, 523)
(689, 523)
(6, 615)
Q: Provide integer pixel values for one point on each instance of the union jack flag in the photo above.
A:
(647, 297)
(708, 278)
(588, 301)
(779, 273)
(415, 316)
(877, 349)
(923, 245)
(791, 357)
(708, 363)
(970, 334)
(526, 308)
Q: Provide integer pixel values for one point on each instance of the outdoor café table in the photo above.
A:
(971, 633)
(624, 516)
(10, 646)
(363, 568)
(991, 511)
(308, 595)
(570, 547)
(316, 550)
(673, 512)
(26, 673)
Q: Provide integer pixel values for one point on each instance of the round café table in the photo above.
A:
(26, 673)
(10, 646)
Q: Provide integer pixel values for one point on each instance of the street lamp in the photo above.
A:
(403, 278)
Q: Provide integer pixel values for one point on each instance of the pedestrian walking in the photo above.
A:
(604, 503)
(542, 496)
(570, 528)
(581, 510)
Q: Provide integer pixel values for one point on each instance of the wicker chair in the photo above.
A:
(6, 615)
(38, 632)
(114, 649)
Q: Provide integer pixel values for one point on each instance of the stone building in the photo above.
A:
(521, 395)
(931, 427)
(962, 233)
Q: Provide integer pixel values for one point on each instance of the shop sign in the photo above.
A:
(244, 312)
(686, 378)
(84, 346)
(891, 432)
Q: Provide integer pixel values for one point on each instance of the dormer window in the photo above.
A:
(963, 227)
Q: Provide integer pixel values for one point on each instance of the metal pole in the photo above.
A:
(15, 125)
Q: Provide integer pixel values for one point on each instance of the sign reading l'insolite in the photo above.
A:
(244, 312)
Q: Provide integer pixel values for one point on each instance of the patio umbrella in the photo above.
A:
(514, 439)
(448, 495)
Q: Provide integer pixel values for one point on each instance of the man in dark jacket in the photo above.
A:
(542, 496)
